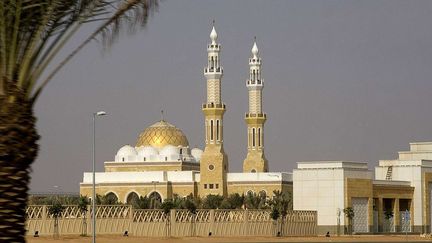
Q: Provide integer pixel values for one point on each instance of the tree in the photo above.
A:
(55, 211)
(280, 204)
(142, 203)
(254, 201)
(212, 201)
(166, 206)
(83, 203)
(191, 206)
(233, 201)
(32, 34)
(349, 213)
(109, 199)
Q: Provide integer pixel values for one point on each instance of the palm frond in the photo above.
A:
(33, 32)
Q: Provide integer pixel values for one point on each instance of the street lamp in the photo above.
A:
(99, 113)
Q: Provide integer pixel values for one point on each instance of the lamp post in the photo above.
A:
(99, 113)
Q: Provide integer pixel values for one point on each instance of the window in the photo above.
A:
(217, 186)
(205, 186)
(144, 159)
(211, 186)
(181, 151)
(206, 125)
(217, 130)
(259, 137)
(166, 158)
(123, 159)
(253, 137)
(211, 129)
(253, 171)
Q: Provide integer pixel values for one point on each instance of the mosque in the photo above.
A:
(162, 164)
(396, 198)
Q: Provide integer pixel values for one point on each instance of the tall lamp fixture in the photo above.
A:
(99, 113)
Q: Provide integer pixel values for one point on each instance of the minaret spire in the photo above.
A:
(214, 162)
(255, 118)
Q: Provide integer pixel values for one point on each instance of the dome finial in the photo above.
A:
(213, 34)
(162, 115)
(255, 49)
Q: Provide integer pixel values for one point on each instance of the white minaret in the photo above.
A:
(255, 118)
(214, 162)
(213, 72)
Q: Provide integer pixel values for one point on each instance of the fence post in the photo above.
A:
(131, 218)
(245, 222)
(44, 227)
(212, 221)
(88, 219)
(173, 222)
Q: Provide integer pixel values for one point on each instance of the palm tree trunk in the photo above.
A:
(18, 149)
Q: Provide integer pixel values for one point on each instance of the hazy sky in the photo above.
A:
(345, 80)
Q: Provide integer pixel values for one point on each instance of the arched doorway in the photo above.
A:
(155, 199)
(132, 198)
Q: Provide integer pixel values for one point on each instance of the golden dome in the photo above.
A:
(161, 134)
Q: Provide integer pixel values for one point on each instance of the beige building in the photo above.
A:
(396, 199)
(162, 164)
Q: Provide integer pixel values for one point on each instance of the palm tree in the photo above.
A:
(83, 203)
(280, 204)
(349, 213)
(55, 211)
(166, 206)
(32, 33)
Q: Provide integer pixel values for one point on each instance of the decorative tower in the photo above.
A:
(255, 160)
(214, 161)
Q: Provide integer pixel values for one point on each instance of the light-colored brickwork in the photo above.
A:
(150, 166)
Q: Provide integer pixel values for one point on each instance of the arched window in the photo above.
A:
(217, 130)
(132, 198)
(253, 171)
(262, 194)
(253, 137)
(206, 126)
(123, 159)
(155, 199)
(211, 130)
(259, 137)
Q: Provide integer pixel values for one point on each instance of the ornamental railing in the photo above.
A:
(116, 219)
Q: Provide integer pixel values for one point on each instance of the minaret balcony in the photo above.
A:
(213, 47)
(213, 70)
(213, 105)
(257, 82)
(255, 61)
(253, 115)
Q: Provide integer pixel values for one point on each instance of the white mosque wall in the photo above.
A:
(415, 155)
(321, 190)
(320, 186)
(140, 177)
(261, 176)
(421, 146)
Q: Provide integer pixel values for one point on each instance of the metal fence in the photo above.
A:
(118, 219)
